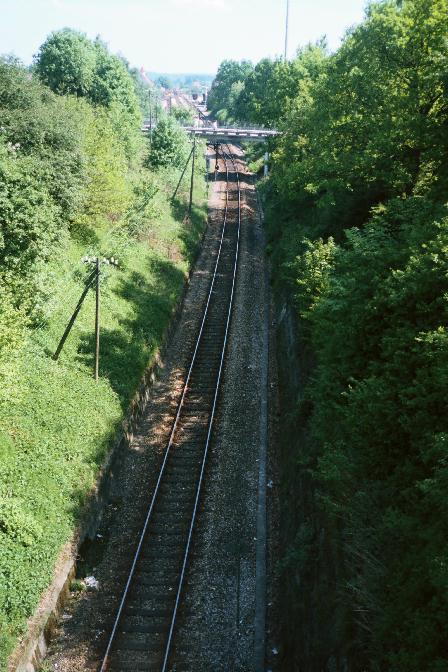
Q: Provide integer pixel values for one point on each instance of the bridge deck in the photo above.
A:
(232, 134)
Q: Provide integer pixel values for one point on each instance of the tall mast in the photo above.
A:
(286, 29)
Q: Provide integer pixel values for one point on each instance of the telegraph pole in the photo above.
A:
(69, 326)
(97, 319)
(94, 277)
(192, 176)
(150, 116)
(183, 173)
(286, 29)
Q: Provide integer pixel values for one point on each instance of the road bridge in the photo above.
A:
(230, 134)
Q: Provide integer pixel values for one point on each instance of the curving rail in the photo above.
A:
(142, 633)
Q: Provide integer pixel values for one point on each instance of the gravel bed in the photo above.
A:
(217, 625)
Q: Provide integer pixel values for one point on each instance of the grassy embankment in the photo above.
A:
(57, 430)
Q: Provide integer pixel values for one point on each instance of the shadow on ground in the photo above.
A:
(126, 350)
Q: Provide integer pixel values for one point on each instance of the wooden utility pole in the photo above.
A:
(286, 29)
(216, 160)
(150, 117)
(94, 277)
(97, 319)
(192, 176)
(69, 326)
(183, 173)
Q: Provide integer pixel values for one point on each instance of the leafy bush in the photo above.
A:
(108, 193)
(29, 216)
(169, 145)
(184, 115)
(44, 126)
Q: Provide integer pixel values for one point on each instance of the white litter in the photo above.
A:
(270, 484)
(92, 583)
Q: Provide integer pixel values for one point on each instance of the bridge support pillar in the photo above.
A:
(266, 164)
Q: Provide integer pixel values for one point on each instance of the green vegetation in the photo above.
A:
(226, 88)
(358, 225)
(169, 146)
(184, 115)
(74, 181)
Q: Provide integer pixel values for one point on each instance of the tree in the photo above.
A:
(169, 144)
(107, 193)
(66, 62)
(45, 126)
(229, 72)
(112, 82)
(184, 115)
(270, 89)
(164, 82)
(69, 62)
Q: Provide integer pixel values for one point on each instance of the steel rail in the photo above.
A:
(111, 640)
(210, 426)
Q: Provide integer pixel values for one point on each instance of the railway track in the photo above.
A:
(142, 633)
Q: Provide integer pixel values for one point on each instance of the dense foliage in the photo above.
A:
(74, 181)
(358, 220)
(68, 62)
(169, 146)
(226, 87)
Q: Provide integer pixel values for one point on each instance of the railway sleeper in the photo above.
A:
(150, 600)
(159, 552)
(124, 664)
(184, 471)
(187, 446)
(158, 528)
(184, 459)
(133, 625)
(172, 508)
(178, 474)
(163, 556)
(153, 589)
(195, 415)
(139, 643)
(165, 539)
(171, 519)
(191, 425)
(169, 561)
(147, 612)
(172, 496)
(211, 347)
(159, 578)
(179, 482)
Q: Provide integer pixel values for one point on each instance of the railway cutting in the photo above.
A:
(156, 577)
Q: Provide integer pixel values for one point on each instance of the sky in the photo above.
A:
(179, 36)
